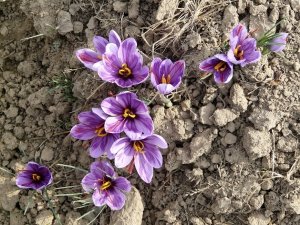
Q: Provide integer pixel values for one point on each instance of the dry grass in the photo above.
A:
(185, 19)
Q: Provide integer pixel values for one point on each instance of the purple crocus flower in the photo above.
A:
(90, 58)
(127, 113)
(91, 127)
(123, 65)
(34, 176)
(143, 153)
(165, 75)
(243, 49)
(279, 42)
(108, 189)
(220, 66)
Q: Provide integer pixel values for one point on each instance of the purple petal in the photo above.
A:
(115, 199)
(165, 88)
(114, 38)
(223, 77)
(155, 76)
(156, 140)
(99, 198)
(89, 182)
(107, 142)
(90, 119)
(232, 59)
(153, 156)
(144, 169)
(100, 44)
(254, 57)
(278, 43)
(120, 145)
(209, 64)
(140, 126)
(99, 112)
(111, 106)
(127, 50)
(111, 60)
(125, 98)
(177, 72)
(122, 184)
(83, 132)
(114, 125)
(239, 31)
(106, 75)
(95, 148)
(88, 57)
(102, 168)
(165, 67)
(124, 153)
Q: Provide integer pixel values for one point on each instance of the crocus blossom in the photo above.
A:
(123, 65)
(91, 127)
(107, 188)
(143, 153)
(127, 113)
(34, 176)
(90, 58)
(243, 49)
(220, 66)
(165, 75)
(279, 42)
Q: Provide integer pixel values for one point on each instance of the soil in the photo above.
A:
(233, 155)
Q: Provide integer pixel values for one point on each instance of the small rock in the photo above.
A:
(230, 18)
(221, 205)
(223, 116)
(131, 213)
(133, 9)
(11, 112)
(210, 95)
(263, 119)
(186, 105)
(257, 218)
(294, 203)
(47, 154)
(215, 159)
(238, 99)
(205, 112)
(197, 221)
(295, 5)
(26, 68)
(166, 9)
(120, 7)
(10, 141)
(256, 143)
(92, 23)
(230, 139)
(257, 201)
(287, 144)
(71, 219)
(234, 155)
(19, 132)
(64, 22)
(9, 194)
(78, 27)
(201, 144)
(267, 185)
(44, 217)
(132, 31)
(3, 30)
(17, 217)
(74, 8)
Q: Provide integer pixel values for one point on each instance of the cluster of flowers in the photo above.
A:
(243, 50)
(121, 128)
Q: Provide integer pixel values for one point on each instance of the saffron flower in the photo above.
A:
(106, 187)
(127, 113)
(90, 58)
(123, 65)
(220, 66)
(243, 49)
(165, 75)
(278, 43)
(34, 176)
(144, 154)
(91, 127)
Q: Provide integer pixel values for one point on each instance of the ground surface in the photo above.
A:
(233, 154)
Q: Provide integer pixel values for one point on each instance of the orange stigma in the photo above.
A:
(221, 66)
(105, 185)
(36, 177)
(128, 113)
(237, 53)
(166, 80)
(100, 132)
(138, 146)
(125, 71)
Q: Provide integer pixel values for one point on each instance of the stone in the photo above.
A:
(64, 22)
(133, 9)
(221, 205)
(295, 5)
(264, 119)
(131, 213)
(9, 194)
(71, 219)
(44, 217)
(215, 158)
(257, 201)
(17, 217)
(120, 7)
(287, 144)
(293, 202)
(257, 218)
(47, 154)
(11, 112)
(3, 30)
(205, 112)
(78, 27)
(10, 141)
(230, 18)
(200, 144)
(166, 9)
(267, 185)
(230, 139)
(237, 98)
(256, 143)
(223, 116)
(26, 68)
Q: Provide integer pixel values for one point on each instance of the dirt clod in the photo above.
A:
(223, 116)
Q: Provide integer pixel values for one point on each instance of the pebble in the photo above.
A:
(78, 27)
(223, 116)
(230, 139)
(47, 154)
(120, 7)
(64, 22)
(267, 185)
(205, 112)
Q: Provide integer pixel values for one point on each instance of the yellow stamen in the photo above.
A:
(100, 132)
(165, 80)
(128, 113)
(221, 66)
(125, 71)
(237, 53)
(36, 177)
(105, 185)
(138, 146)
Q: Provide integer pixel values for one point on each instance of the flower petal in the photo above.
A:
(114, 38)
(153, 156)
(165, 88)
(111, 106)
(165, 67)
(124, 156)
(102, 168)
(155, 75)
(122, 184)
(144, 169)
(99, 198)
(157, 140)
(100, 44)
(89, 118)
(127, 50)
(139, 127)
(99, 112)
(89, 182)
(95, 148)
(115, 199)
(82, 132)
(209, 64)
(115, 124)
(88, 57)
(177, 72)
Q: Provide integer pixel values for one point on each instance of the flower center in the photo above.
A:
(105, 185)
(128, 113)
(238, 53)
(36, 177)
(125, 71)
(138, 146)
(221, 66)
(100, 132)
(166, 80)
